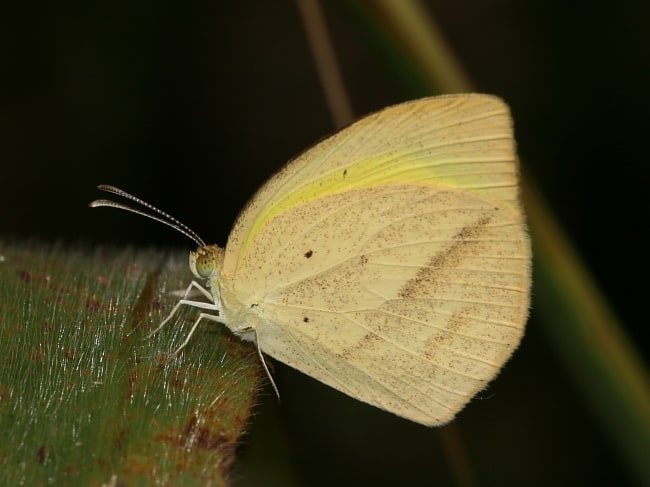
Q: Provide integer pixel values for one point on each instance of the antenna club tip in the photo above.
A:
(97, 203)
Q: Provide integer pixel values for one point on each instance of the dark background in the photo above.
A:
(193, 105)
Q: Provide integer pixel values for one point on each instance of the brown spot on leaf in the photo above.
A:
(42, 454)
(201, 436)
(24, 276)
(94, 303)
(190, 425)
(309, 253)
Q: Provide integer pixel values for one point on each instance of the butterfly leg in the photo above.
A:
(206, 316)
(261, 356)
(198, 304)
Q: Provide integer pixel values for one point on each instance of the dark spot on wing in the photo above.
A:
(449, 258)
(305, 319)
(364, 345)
(309, 253)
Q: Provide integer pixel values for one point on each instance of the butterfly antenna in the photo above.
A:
(164, 218)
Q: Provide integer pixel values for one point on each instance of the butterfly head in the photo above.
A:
(206, 261)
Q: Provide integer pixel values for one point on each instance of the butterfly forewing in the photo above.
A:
(462, 141)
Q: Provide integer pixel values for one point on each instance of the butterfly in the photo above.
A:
(390, 261)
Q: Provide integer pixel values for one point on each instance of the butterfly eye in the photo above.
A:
(205, 265)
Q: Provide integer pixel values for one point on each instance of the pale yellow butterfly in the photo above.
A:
(390, 261)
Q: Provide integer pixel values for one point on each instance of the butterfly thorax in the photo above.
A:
(206, 263)
(241, 318)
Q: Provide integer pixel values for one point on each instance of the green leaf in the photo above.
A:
(84, 397)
